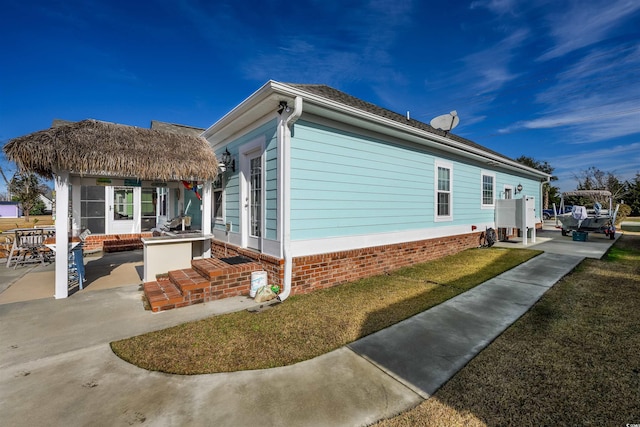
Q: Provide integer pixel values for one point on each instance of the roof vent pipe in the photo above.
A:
(408, 115)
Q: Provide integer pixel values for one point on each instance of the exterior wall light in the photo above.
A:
(228, 162)
(283, 107)
(519, 189)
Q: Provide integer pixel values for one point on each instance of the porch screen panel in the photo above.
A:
(149, 203)
(92, 208)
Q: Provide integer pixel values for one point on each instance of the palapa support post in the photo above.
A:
(207, 214)
(62, 235)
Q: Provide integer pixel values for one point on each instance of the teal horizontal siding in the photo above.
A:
(232, 188)
(271, 181)
(346, 184)
(232, 202)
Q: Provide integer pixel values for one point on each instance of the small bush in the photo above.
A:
(623, 212)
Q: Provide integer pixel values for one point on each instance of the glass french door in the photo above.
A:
(254, 202)
(121, 210)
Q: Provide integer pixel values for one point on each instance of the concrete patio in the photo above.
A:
(57, 368)
(113, 270)
(550, 240)
(103, 271)
(57, 354)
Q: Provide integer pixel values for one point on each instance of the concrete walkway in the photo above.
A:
(56, 367)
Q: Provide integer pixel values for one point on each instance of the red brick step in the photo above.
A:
(188, 280)
(208, 279)
(162, 294)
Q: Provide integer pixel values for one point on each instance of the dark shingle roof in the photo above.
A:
(351, 101)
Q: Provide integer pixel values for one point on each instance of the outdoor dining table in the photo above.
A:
(28, 245)
(50, 242)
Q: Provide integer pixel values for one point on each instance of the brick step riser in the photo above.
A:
(200, 284)
(201, 271)
(188, 280)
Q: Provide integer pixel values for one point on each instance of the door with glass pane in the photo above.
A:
(253, 201)
(148, 209)
(121, 210)
(162, 206)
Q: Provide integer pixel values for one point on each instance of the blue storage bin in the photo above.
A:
(580, 236)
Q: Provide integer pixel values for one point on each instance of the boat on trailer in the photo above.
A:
(599, 217)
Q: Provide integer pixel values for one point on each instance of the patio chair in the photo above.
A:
(176, 223)
(28, 248)
(83, 236)
(6, 244)
(76, 268)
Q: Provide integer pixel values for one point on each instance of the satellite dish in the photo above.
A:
(446, 122)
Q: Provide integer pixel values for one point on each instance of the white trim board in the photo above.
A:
(337, 244)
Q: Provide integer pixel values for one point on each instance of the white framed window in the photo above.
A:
(123, 203)
(217, 209)
(443, 191)
(488, 190)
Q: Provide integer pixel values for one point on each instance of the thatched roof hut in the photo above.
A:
(95, 148)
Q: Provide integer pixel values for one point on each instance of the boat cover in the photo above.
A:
(579, 212)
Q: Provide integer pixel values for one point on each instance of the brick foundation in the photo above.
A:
(95, 242)
(218, 277)
(272, 265)
(330, 269)
(326, 270)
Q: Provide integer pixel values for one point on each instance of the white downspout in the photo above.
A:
(285, 176)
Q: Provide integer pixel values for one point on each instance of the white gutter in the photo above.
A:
(424, 137)
(285, 203)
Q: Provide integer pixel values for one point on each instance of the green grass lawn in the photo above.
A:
(573, 359)
(307, 326)
(631, 224)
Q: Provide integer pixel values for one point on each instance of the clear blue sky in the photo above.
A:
(555, 80)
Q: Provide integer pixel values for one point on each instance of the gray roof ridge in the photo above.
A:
(344, 98)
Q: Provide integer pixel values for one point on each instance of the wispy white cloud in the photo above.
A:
(474, 85)
(499, 7)
(306, 49)
(313, 64)
(594, 99)
(372, 31)
(580, 24)
(490, 68)
(610, 62)
(621, 160)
